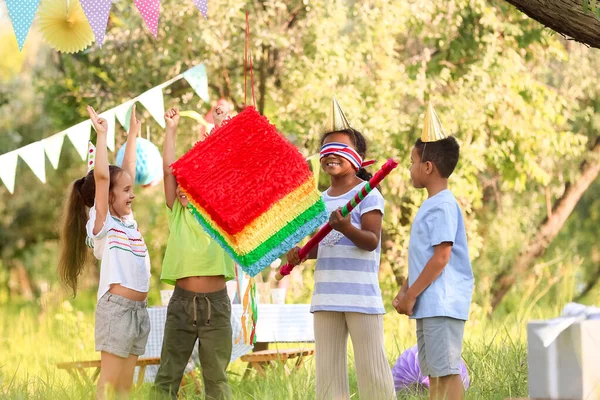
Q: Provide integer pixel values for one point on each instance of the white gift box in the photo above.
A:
(564, 357)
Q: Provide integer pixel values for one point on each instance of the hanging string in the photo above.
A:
(244, 312)
(239, 296)
(254, 307)
(248, 63)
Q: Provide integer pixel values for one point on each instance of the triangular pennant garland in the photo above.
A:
(315, 166)
(155, 104)
(197, 78)
(123, 113)
(202, 6)
(21, 13)
(150, 10)
(8, 168)
(79, 135)
(109, 116)
(97, 12)
(53, 147)
(33, 155)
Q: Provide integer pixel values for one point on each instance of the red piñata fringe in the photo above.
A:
(236, 174)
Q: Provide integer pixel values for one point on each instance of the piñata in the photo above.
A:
(251, 190)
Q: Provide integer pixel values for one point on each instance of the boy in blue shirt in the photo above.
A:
(440, 280)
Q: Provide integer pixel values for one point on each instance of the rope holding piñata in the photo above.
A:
(324, 231)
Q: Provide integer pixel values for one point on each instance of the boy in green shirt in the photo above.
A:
(200, 307)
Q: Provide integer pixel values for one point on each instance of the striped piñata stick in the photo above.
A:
(324, 231)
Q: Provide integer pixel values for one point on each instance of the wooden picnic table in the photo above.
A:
(280, 323)
(264, 358)
(277, 323)
(79, 369)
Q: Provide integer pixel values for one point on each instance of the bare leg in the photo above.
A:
(446, 388)
(126, 377)
(110, 370)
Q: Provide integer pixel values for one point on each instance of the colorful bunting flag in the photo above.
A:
(79, 135)
(21, 13)
(109, 116)
(123, 113)
(33, 155)
(53, 147)
(97, 12)
(197, 78)
(203, 7)
(154, 102)
(150, 10)
(8, 168)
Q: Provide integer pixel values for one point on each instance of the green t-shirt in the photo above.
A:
(190, 251)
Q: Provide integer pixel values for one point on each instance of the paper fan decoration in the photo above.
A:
(148, 166)
(407, 372)
(64, 26)
(251, 190)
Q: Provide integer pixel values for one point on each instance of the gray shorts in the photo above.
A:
(440, 345)
(122, 325)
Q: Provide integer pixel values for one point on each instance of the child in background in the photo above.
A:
(122, 322)
(200, 308)
(440, 280)
(347, 297)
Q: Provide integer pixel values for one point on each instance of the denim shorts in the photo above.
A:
(440, 345)
(122, 325)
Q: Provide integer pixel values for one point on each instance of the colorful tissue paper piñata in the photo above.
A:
(251, 190)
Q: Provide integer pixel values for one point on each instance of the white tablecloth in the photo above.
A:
(282, 323)
(276, 323)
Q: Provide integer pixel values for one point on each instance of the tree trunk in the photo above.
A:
(566, 17)
(549, 228)
(589, 284)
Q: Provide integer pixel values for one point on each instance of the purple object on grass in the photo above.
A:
(407, 371)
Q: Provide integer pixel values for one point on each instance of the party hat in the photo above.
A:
(337, 118)
(432, 127)
(91, 158)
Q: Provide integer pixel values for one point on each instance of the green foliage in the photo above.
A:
(523, 104)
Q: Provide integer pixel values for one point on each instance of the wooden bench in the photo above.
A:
(78, 369)
(260, 359)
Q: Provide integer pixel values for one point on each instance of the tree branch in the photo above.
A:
(567, 17)
(590, 284)
(549, 228)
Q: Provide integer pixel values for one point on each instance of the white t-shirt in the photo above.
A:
(346, 277)
(122, 251)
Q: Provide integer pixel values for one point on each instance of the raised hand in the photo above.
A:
(100, 124)
(219, 115)
(172, 118)
(135, 125)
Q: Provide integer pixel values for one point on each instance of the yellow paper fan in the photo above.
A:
(64, 26)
